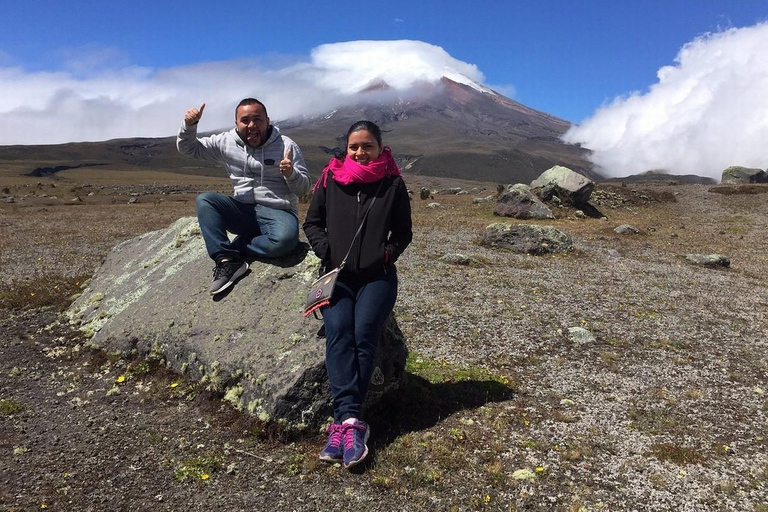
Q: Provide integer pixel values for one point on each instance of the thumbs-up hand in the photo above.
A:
(193, 115)
(286, 164)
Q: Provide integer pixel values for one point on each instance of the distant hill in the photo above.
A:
(445, 129)
(661, 177)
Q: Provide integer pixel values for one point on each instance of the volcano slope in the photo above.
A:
(502, 410)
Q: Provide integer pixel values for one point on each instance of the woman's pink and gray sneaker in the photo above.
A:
(333, 450)
(355, 438)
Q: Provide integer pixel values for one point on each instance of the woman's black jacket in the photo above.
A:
(335, 213)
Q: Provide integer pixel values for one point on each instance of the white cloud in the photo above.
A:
(92, 99)
(706, 112)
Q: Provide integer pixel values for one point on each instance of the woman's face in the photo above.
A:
(362, 147)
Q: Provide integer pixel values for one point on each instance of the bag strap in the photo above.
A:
(360, 228)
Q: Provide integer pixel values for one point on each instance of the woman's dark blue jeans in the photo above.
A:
(353, 322)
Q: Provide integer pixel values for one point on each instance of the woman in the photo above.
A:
(366, 289)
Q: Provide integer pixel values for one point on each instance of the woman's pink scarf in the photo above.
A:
(348, 171)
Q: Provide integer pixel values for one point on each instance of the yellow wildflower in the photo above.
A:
(205, 476)
(540, 469)
(121, 379)
(175, 384)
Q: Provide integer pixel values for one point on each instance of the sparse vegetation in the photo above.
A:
(9, 407)
(500, 409)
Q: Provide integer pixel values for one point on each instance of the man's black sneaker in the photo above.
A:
(225, 273)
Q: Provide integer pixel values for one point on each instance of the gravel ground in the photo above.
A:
(665, 409)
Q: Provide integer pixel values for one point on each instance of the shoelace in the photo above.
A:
(348, 429)
(221, 269)
(335, 430)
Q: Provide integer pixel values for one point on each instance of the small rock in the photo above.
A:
(581, 336)
(458, 259)
(709, 260)
(434, 205)
(133, 200)
(10, 199)
(626, 229)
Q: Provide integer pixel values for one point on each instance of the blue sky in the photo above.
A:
(564, 57)
(567, 58)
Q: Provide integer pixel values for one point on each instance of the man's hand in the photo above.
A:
(193, 115)
(286, 164)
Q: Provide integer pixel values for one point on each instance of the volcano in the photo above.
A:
(448, 129)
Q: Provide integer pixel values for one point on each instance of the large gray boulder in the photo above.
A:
(252, 345)
(519, 202)
(527, 238)
(736, 175)
(569, 186)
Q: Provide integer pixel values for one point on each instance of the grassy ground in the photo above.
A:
(502, 410)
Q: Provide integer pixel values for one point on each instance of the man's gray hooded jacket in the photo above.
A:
(254, 172)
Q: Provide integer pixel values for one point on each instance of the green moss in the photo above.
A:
(233, 396)
(199, 468)
(215, 381)
(9, 407)
(436, 372)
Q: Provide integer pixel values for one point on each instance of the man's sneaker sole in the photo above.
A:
(238, 273)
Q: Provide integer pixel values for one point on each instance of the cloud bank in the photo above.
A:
(708, 111)
(92, 98)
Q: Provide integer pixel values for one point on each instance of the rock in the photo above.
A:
(459, 259)
(424, 193)
(626, 229)
(709, 260)
(10, 199)
(581, 336)
(527, 238)
(571, 187)
(736, 175)
(434, 205)
(133, 200)
(449, 191)
(487, 199)
(251, 345)
(77, 199)
(519, 202)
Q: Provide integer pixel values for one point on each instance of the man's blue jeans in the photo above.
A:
(261, 231)
(353, 322)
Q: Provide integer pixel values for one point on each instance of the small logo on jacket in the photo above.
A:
(319, 293)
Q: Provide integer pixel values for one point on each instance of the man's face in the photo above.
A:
(252, 124)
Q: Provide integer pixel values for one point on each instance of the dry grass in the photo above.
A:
(501, 410)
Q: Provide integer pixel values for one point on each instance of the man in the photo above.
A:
(268, 174)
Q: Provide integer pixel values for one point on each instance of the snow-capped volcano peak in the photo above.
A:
(357, 66)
